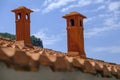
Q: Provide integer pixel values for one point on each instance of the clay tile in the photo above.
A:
(92, 63)
(109, 68)
(114, 71)
(99, 67)
(36, 51)
(115, 68)
(41, 52)
(21, 7)
(13, 46)
(25, 48)
(52, 53)
(3, 56)
(106, 72)
(9, 51)
(118, 72)
(44, 60)
(20, 44)
(89, 68)
(74, 13)
(34, 56)
(70, 59)
(4, 45)
(34, 65)
(20, 58)
(78, 62)
(52, 58)
(9, 45)
(61, 64)
(55, 54)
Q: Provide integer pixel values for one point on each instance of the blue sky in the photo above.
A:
(102, 25)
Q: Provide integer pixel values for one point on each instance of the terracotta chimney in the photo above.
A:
(22, 18)
(75, 34)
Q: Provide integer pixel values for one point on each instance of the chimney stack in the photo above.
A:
(22, 19)
(75, 34)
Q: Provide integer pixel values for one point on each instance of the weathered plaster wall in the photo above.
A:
(45, 73)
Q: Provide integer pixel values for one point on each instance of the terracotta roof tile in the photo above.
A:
(113, 71)
(98, 67)
(118, 72)
(70, 59)
(21, 7)
(9, 51)
(79, 63)
(74, 13)
(52, 58)
(89, 68)
(106, 72)
(44, 60)
(61, 64)
(34, 56)
(20, 58)
(29, 59)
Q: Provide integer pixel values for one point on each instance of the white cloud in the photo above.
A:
(110, 21)
(65, 5)
(82, 3)
(54, 4)
(99, 1)
(47, 2)
(108, 25)
(48, 39)
(114, 6)
(36, 10)
(95, 31)
(112, 49)
(100, 8)
(69, 7)
(88, 20)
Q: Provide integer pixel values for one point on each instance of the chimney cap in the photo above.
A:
(73, 13)
(21, 8)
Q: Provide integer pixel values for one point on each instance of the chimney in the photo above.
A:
(22, 19)
(75, 34)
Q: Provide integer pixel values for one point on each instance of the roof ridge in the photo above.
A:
(10, 52)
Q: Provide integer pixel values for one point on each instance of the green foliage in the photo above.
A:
(7, 35)
(35, 41)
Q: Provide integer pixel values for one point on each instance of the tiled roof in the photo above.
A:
(73, 13)
(25, 58)
(22, 8)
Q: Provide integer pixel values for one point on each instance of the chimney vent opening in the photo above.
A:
(81, 23)
(27, 17)
(19, 16)
(72, 22)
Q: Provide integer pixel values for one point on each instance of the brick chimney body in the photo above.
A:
(22, 19)
(75, 34)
